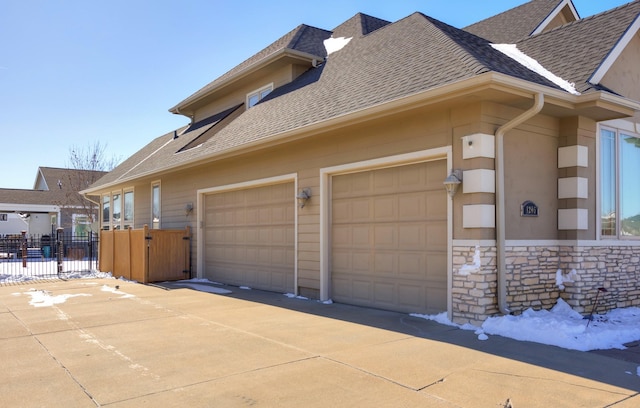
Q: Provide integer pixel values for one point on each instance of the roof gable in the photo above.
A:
(523, 21)
(304, 42)
(577, 51)
(617, 50)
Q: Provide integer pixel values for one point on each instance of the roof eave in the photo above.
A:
(204, 92)
(619, 106)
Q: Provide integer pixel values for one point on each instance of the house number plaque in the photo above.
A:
(528, 209)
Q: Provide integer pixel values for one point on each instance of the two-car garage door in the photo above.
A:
(389, 238)
(249, 237)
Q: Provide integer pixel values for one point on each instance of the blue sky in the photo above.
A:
(75, 72)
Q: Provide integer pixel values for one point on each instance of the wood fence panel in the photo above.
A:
(138, 256)
(122, 254)
(105, 251)
(169, 255)
(146, 255)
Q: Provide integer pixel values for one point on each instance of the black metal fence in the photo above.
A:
(26, 257)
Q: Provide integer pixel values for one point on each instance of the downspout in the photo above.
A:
(500, 201)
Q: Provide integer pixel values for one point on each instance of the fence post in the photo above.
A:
(60, 253)
(24, 249)
(147, 239)
(187, 254)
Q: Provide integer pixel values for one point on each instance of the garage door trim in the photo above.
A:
(442, 153)
(202, 193)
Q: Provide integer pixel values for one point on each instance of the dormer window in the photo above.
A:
(257, 95)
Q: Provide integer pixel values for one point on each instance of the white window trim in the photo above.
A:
(258, 91)
(616, 130)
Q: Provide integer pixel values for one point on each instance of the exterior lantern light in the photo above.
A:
(303, 196)
(452, 182)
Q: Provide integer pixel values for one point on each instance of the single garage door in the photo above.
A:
(389, 238)
(249, 237)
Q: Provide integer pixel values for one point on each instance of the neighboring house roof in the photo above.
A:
(52, 187)
(531, 17)
(385, 63)
(576, 50)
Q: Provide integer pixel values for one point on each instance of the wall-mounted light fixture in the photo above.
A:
(452, 182)
(188, 208)
(303, 196)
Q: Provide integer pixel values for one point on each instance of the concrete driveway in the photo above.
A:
(138, 345)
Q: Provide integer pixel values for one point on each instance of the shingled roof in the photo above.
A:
(386, 63)
(515, 24)
(55, 186)
(576, 50)
(303, 39)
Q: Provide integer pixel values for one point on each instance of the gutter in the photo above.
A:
(500, 200)
(489, 80)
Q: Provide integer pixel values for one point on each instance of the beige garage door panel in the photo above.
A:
(249, 237)
(389, 238)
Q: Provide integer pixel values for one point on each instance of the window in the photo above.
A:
(106, 212)
(256, 96)
(128, 209)
(81, 225)
(117, 210)
(155, 205)
(619, 192)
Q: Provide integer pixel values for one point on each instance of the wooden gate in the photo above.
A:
(146, 255)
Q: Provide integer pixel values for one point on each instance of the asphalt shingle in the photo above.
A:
(514, 24)
(387, 62)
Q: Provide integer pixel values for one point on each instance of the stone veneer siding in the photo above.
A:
(531, 279)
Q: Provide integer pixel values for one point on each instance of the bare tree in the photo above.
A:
(91, 157)
(86, 165)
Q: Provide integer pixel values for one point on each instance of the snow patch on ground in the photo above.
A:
(561, 326)
(293, 296)
(43, 298)
(116, 291)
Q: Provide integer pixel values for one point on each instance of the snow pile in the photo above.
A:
(465, 270)
(561, 326)
(512, 51)
(293, 296)
(562, 278)
(335, 44)
(42, 270)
